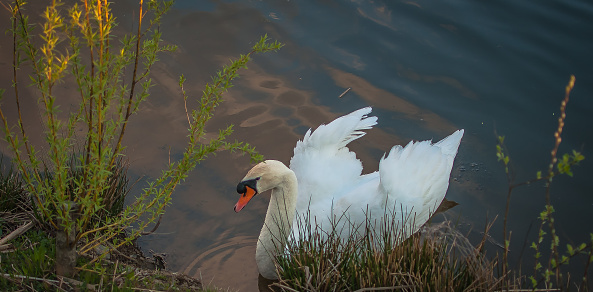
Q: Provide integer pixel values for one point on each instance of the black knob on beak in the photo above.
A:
(252, 183)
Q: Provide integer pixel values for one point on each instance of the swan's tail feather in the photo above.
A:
(450, 144)
(418, 174)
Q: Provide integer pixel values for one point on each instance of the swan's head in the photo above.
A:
(262, 177)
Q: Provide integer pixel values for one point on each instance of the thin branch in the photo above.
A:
(16, 87)
(156, 226)
(16, 233)
(558, 139)
(134, 82)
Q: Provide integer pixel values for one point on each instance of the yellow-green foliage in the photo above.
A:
(68, 181)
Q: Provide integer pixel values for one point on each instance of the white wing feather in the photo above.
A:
(322, 162)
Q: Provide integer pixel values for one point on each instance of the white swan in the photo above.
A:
(325, 177)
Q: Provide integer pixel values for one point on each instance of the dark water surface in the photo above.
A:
(427, 68)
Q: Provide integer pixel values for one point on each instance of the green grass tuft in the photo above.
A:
(376, 257)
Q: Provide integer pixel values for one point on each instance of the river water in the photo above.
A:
(427, 68)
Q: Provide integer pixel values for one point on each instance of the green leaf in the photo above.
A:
(563, 165)
(556, 241)
(569, 249)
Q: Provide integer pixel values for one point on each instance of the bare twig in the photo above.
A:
(111, 247)
(384, 288)
(78, 283)
(344, 93)
(525, 290)
(114, 271)
(133, 84)
(185, 100)
(156, 226)
(55, 283)
(16, 233)
(29, 278)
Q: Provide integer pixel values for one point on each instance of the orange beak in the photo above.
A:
(245, 198)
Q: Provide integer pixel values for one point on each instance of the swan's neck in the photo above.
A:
(277, 225)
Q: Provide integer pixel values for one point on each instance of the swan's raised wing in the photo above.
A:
(322, 162)
(415, 178)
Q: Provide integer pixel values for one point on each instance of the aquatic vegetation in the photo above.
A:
(70, 181)
(547, 273)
